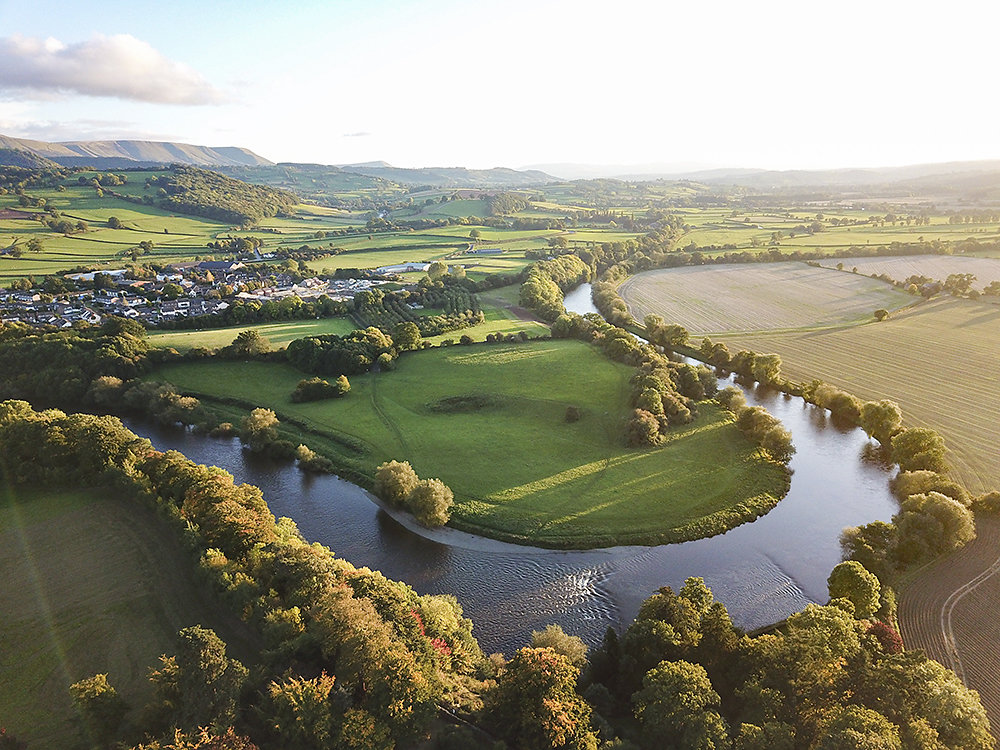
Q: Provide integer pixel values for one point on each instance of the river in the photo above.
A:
(762, 571)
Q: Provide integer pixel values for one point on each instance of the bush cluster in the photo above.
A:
(429, 500)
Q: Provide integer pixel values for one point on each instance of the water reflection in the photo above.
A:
(762, 571)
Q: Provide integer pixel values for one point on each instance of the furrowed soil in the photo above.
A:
(949, 609)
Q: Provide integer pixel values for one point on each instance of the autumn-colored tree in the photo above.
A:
(534, 705)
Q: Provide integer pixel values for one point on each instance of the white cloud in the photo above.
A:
(119, 66)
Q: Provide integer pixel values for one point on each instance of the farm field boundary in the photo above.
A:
(937, 267)
(936, 360)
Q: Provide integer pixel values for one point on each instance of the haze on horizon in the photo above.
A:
(781, 85)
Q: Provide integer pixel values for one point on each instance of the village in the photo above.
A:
(180, 290)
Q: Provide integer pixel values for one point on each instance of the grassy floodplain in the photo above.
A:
(767, 297)
(489, 420)
(937, 360)
(496, 305)
(92, 583)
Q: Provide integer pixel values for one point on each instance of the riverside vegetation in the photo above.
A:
(353, 660)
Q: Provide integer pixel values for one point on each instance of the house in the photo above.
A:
(220, 266)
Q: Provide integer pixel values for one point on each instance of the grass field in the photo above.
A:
(948, 609)
(279, 334)
(743, 298)
(933, 266)
(91, 584)
(519, 470)
(938, 360)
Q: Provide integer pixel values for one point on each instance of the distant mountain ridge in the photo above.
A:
(770, 179)
(131, 153)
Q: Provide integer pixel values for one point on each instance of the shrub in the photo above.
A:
(642, 428)
(317, 389)
(430, 502)
(394, 481)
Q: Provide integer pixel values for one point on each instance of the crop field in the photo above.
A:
(743, 298)
(489, 420)
(933, 266)
(937, 360)
(949, 607)
(91, 584)
(279, 334)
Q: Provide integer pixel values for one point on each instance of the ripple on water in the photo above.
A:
(762, 571)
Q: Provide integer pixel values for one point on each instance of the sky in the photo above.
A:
(776, 85)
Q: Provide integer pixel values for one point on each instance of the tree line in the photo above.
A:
(354, 660)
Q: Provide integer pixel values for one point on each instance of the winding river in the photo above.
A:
(763, 571)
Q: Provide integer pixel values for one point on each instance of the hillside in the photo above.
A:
(17, 157)
(450, 177)
(128, 153)
(318, 183)
(199, 192)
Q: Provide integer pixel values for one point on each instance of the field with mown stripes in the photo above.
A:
(938, 361)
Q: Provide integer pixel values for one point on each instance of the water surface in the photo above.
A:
(763, 571)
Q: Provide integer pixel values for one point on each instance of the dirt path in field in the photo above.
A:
(385, 418)
(951, 609)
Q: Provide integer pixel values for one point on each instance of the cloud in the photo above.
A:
(81, 130)
(119, 66)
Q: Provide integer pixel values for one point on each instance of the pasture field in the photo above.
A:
(437, 210)
(937, 267)
(496, 306)
(937, 360)
(174, 237)
(92, 584)
(948, 609)
(279, 334)
(745, 298)
(489, 420)
(722, 226)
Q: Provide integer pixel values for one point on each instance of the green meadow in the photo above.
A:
(279, 334)
(92, 584)
(489, 420)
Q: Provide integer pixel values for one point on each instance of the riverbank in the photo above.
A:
(490, 420)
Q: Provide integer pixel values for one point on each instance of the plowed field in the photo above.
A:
(767, 297)
(950, 609)
(938, 361)
(933, 266)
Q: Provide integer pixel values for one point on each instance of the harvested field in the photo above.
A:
(933, 266)
(936, 360)
(745, 298)
(949, 610)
